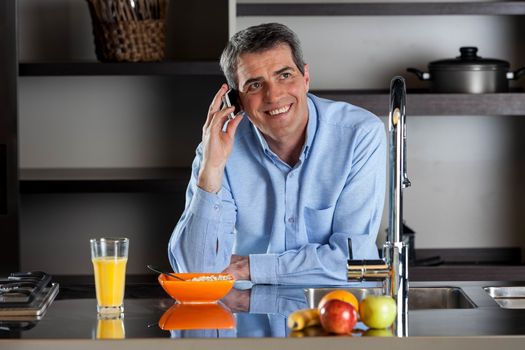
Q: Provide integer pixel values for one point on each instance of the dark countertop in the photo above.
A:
(73, 314)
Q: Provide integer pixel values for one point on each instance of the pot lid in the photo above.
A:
(469, 60)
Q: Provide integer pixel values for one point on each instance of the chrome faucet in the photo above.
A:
(393, 268)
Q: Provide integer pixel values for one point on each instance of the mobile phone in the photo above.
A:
(231, 98)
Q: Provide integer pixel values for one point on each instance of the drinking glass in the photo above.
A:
(109, 257)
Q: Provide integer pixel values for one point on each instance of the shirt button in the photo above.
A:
(291, 220)
(215, 207)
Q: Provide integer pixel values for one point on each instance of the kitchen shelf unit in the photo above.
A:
(193, 50)
(422, 103)
(419, 103)
(93, 68)
(196, 58)
(151, 180)
(106, 180)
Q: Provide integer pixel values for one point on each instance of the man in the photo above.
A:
(275, 197)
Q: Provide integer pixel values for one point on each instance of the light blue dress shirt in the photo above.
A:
(292, 222)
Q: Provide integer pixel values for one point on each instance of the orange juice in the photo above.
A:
(110, 329)
(110, 278)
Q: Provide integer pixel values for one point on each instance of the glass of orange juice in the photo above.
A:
(109, 257)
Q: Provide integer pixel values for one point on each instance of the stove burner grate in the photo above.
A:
(26, 295)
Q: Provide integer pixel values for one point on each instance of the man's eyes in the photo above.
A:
(254, 86)
(257, 84)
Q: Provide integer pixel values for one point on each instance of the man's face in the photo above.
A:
(273, 93)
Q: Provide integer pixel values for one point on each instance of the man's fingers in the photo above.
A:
(220, 117)
(215, 105)
(217, 99)
(217, 120)
(232, 126)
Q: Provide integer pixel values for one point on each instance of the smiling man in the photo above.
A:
(275, 196)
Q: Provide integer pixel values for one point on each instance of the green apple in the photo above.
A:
(377, 311)
(372, 332)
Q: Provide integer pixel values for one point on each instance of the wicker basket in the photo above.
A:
(129, 30)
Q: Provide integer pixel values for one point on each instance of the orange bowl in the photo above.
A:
(196, 316)
(196, 291)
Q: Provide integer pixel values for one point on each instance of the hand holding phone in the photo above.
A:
(218, 140)
(231, 98)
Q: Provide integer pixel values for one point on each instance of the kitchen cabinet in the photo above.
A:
(192, 54)
(192, 51)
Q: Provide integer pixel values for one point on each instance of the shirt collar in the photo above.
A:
(310, 132)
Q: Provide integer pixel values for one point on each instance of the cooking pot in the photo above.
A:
(469, 73)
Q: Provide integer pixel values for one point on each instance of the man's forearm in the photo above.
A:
(203, 239)
(210, 179)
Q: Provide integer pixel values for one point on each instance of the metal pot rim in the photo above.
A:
(466, 67)
(469, 60)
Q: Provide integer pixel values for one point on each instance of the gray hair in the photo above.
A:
(257, 39)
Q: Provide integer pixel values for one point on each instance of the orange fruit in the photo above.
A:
(340, 294)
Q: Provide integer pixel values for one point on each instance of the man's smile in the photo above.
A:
(278, 111)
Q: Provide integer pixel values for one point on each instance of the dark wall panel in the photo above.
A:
(9, 249)
(3, 180)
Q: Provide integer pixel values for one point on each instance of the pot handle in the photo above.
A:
(420, 74)
(515, 75)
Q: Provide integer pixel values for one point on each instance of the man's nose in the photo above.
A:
(273, 92)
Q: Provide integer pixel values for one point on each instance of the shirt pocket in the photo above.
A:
(318, 224)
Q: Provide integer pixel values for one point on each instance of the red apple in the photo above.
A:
(338, 317)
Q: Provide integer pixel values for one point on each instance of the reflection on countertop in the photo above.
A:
(258, 312)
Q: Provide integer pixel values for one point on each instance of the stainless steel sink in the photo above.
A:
(438, 298)
(508, 297)
(419, 298)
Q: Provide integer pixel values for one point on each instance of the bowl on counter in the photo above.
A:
(197, 287)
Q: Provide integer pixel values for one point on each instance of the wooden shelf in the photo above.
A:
(382, 9)
(424, 103)
(420, 103)
(155, 180)
(83, 68)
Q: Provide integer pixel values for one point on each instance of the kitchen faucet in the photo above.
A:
(393, 268)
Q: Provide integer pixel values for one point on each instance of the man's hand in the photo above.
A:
(239, 267)
(238, 300)
(217, 145)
